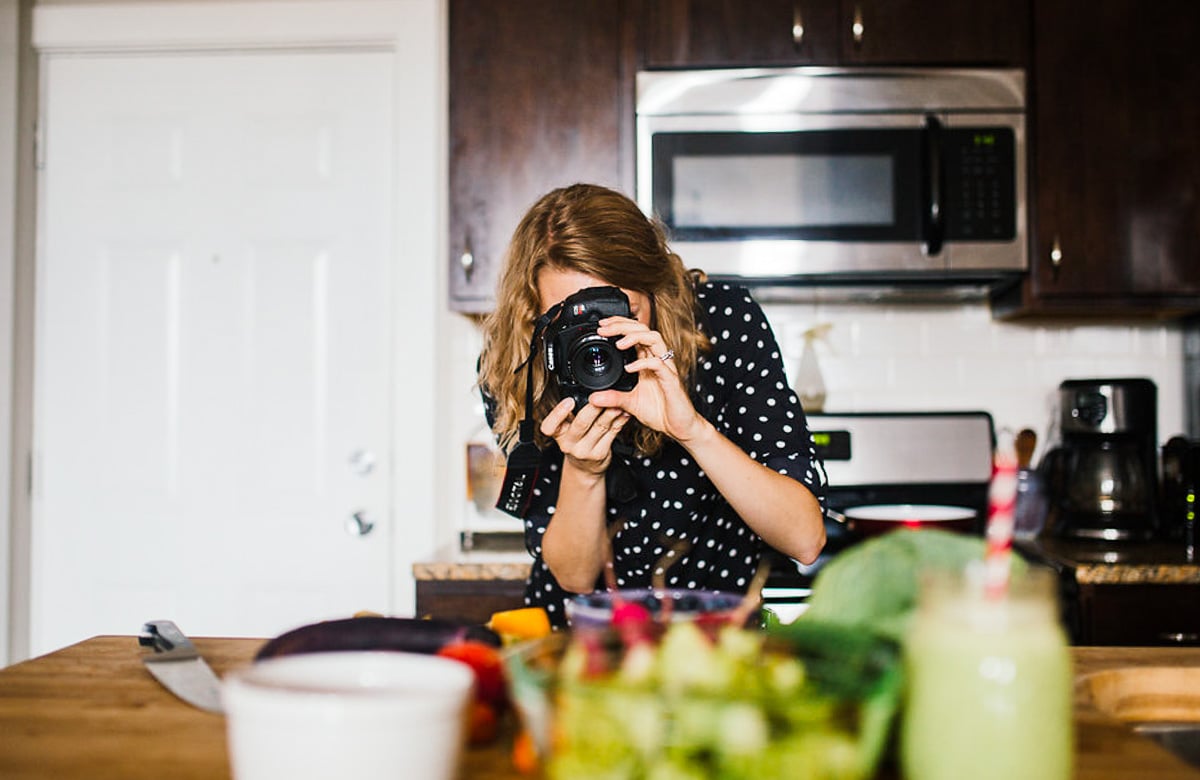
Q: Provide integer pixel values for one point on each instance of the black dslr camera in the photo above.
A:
(578, 358)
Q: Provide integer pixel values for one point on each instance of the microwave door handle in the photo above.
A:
(935, 227)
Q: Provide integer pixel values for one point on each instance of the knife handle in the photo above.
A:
(165, 637)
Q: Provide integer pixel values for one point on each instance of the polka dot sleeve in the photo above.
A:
(757, 409)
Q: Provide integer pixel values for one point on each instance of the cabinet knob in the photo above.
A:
(797, 25)
(467, 259)
(1056, 256)
(856, 27)
(1179, 637)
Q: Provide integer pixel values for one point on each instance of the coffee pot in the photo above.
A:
(1102, 478)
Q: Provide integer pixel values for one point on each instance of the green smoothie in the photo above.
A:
(989, 685)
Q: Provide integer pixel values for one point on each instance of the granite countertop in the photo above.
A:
(1094, 563)
(1121, 563)
(475, 566)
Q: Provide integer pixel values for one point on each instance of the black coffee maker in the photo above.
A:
(1102, 478)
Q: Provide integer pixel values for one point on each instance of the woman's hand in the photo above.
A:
(585, 438)
(659, 400)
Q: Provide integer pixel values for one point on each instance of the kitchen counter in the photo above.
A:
(1128, 593)
(92, 711)
(471, 586)
(469, 566)
(1156, 563)
(1095, 562)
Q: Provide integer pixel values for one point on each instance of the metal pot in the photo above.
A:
(877, 519)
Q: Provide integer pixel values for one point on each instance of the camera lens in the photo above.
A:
(595, 363)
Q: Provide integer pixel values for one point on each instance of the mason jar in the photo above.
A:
(989, 681)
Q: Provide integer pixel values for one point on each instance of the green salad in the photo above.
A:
(696, 701)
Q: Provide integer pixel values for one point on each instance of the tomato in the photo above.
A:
(485, 661)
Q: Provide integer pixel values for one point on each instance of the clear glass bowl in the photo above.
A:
(594, 610)
(811, 701)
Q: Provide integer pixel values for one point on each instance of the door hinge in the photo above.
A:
(39, 147)
(31, 474)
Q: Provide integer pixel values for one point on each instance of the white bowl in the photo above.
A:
(365, 715)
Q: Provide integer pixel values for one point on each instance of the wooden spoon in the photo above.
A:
(1026, 443)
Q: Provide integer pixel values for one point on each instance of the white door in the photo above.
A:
(212, 388)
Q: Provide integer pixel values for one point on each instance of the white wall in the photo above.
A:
(9, 55)
(901, 358)
(908, 357)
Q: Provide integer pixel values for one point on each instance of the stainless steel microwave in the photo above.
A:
(895, 177)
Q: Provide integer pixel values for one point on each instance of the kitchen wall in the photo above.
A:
(878, 357)
(9, 25)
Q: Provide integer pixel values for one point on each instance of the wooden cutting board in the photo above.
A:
(1146, 694)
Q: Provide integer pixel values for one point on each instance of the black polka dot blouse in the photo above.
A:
(674, 526)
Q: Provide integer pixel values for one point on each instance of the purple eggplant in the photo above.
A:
(411, 635)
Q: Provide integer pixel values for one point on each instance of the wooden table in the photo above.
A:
(92, 711)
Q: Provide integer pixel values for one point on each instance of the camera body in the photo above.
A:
(579, 359)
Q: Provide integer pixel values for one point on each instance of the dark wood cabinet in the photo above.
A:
(1139, 615)
(540, 96)
(472, 601)
(1115, 149)
(720, 33)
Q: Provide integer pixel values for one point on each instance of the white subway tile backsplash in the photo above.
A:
(1102, 341)
(909, 358)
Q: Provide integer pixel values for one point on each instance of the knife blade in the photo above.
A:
(178, 666)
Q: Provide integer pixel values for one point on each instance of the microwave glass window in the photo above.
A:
(783, 191)
(863, 184)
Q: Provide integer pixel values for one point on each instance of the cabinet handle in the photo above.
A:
(1055, 258)
(856, 27)
(467, 259)
(1179, 637)
(797, 25)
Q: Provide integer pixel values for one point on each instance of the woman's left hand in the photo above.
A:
(659, 399)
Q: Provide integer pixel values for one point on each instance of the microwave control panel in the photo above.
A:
(980, 180)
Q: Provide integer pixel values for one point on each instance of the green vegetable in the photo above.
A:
(723, 703)
(874, 584)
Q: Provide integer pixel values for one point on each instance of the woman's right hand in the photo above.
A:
(586, 437)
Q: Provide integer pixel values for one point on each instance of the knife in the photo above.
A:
(176, 664)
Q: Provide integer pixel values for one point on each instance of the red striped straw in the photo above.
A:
(1002, 498)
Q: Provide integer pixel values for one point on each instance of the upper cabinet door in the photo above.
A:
(1117, 160)
(933, 32)
(720, 33)
(538, 99)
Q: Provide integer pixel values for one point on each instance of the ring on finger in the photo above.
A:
(664, 357)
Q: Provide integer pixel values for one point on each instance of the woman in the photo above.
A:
(681, 480)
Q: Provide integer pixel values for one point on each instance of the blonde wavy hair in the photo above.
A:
(602, 233)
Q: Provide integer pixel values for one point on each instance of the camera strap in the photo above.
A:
(522, 468)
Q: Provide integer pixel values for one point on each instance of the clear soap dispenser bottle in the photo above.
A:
(810, 385)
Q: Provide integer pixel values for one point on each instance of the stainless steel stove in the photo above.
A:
(889, 458)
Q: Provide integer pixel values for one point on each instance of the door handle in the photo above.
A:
(934, 219)
(359, 524)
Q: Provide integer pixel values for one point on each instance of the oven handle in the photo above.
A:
(935, 224)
